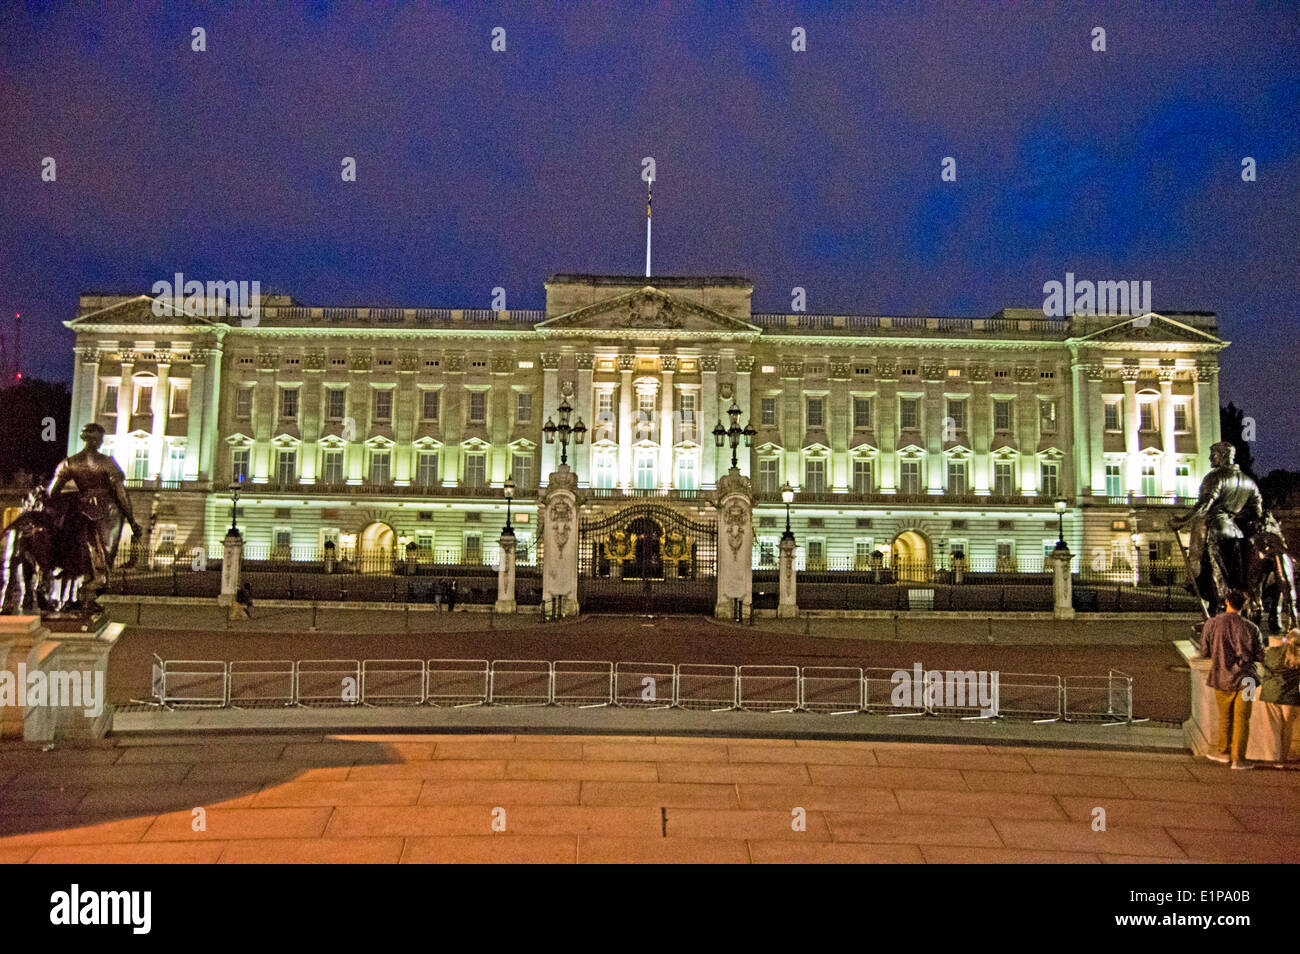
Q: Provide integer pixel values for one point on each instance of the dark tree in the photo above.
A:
(1281, 489)
(1233, 428)
(33, 430)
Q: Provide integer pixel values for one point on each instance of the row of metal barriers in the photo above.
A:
(189, 684)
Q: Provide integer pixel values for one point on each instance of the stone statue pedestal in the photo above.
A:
(72, 667)
(558, 510)
(735, 503)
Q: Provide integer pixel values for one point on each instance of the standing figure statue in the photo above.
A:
(66, 543)
(1235, 545)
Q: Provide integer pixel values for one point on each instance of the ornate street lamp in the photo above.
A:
(509, 531)
(550, 429)
(787, 495)
(1060, 524)
(234, 503)
(733, 433)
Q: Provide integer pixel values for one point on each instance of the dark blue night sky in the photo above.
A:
(817, 169)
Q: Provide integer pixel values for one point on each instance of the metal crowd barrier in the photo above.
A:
(582, 683)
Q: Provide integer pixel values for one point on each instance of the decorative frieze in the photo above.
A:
(503, 363)
(668, 363)
(840, 370)
(408, 361)
(887, 369)
(313, 360)
(360, 361)
(627, 362)
(932, 371)
(455, 362)
(709, 363)
(744, 364)
(979, 373)
(269, 361)
(585, 360)
(1026, 374)
(791, 368)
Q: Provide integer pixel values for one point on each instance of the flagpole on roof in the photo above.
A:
(649, 196)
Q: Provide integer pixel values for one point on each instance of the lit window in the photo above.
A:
(331, 468)
(1147, 416)
(381, 467)
(1003, 478)
(286, 467)
(862, 476)
(475, 470)
(1114, 481)
(814, 473)
(957, 478)
(909, 477)
(522, 465)
(239, 470)
(768, 469)
(1047, 479)
(686, 472)
(1150, 483)
(426, 469)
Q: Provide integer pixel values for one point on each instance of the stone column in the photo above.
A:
(839, 426)
(887, 418)
(125, 389)
(194, 419)
(735, 504)
(1132, 420)
(709, 416)
(669, 365)
(18, 634)
(160, 411)
(1026, 424)
(626, 363)
(85, 395)
(788, 604)
(744, 369)
(1168, 443)
(84, 655)
(559, 514)
(452, 418)
(211, 407)
(232, 557)
(934, 376)
(506, 573)
(1062, 585)
(1096, 468)
(1207, 416)
(582, 410)
(980, 429)
(790, 419)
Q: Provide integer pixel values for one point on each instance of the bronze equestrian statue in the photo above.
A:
(1235, 544)
(58, 553)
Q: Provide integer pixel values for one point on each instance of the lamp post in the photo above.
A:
(510, 494)
(733, 433)
(1060, 524)
(234, 504)
(550, 429)
(787, 495)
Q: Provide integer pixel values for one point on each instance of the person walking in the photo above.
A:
(1280, 693)
(242, 607)
(438, 592)
(452, 593)
(1231, 643)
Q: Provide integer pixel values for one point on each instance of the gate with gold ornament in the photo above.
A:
(647, 558)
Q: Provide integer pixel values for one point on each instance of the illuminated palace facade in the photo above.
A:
(912, 437)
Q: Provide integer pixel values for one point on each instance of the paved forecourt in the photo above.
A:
(573, 798)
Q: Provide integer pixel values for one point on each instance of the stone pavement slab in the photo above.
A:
(324, 798)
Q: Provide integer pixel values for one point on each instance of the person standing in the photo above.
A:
(1280, 693)
(452, 593)
(1231, 643)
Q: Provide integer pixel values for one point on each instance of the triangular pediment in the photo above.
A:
(1150, 327)
(140, 312)
(647, 312)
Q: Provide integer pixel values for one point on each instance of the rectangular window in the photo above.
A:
(1048, 484)
(686, 472)
(244, 403)
(1047, 417)
(429, 405)
(1114, 481)
(645, 410)
(768, 469)
(180, 400)
(769, 411)
(688, 417)
(957, 478)
(862, 550)
(646, 478)
(331, 468)
(110, 400)
(289, 404)
(956, 416)
(239, 470)
(473, 548)
(1003, 478)
(426, 469)
(286, 467)
(336, 400)
(282, 542)
(603, 478)
(1150, 485)
(475, 470)
(383, 406)
(1006, 556)
(523, 407)
(1002, 415)
(1180, 419)
(815, 406)
(381, 467)
(816, 559)
(909, 477)
(522, 465)
(1112, 416)
(144, 399)
(1183, 477)
(862, 482)
(814, 475)
(909, 410)
(861, 414)
(1147, 416)
(605, 409)
(175, 463)
(767, 552)
(477, 407)
(140, 462)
